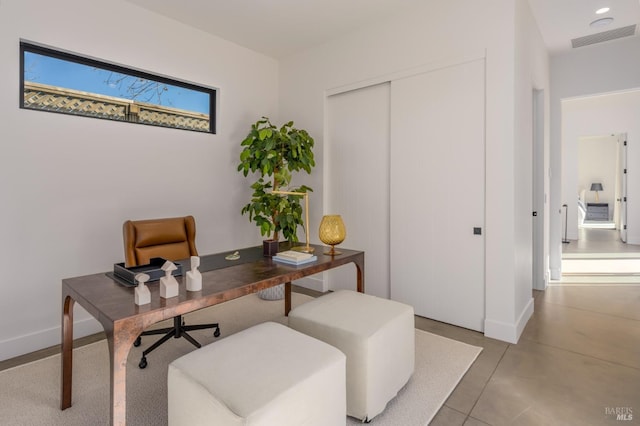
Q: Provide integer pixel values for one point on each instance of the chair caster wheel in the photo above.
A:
(137, 342)
(143, 362)
(216, 333)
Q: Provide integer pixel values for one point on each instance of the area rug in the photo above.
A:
(30, 393)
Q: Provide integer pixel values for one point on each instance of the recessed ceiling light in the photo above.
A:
(602, 10)
(602, 22)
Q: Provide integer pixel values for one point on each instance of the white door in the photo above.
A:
(621, 201)
(437, 194)
(357, 182)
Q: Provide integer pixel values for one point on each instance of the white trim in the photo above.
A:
(28, 343)
(507, 332)
(313, 283)
(547, 279)
(597, 95)
(432, 66)
(556, 273)
(539, 204)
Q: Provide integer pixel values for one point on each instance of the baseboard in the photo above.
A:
(556, 274)
(633, 238)
(22, 345)
(312, 284)
(543, 284)
(509, 332)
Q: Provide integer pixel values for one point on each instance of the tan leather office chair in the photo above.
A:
(172, 239)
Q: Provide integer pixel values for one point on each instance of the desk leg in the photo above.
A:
(67, 352)
(360, 274)
(287, 298)
(120, 340)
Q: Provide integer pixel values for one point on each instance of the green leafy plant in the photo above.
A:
(275, 154)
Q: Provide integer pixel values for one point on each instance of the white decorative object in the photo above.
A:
(194, 278)
(272, 293)
(142, 295)
(233, 256)
(168, 283)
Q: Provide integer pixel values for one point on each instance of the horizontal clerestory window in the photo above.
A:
(57, 81)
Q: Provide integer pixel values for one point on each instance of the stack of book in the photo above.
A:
(291, 257)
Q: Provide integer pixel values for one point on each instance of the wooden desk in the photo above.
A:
(113, 305)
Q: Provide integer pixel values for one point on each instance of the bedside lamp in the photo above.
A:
(596, 187)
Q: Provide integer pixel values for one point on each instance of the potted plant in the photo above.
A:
(275, 154)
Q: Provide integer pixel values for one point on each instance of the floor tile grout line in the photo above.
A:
(453, 409)
(582, 354)
(591, 311)
(487, 383)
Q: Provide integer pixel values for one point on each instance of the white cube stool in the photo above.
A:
(377, 336)
(268, 374)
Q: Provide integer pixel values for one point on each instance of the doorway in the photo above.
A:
(600, 251)
(612, 115)
(394, 170)
(602, 170)
(599, 115)
(599, 257)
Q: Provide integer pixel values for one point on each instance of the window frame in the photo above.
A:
(26, 46)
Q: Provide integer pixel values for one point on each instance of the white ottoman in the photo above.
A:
(377, 336)
(265, 375)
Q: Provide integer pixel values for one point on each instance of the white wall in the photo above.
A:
(602, 115)
(532, 72)
(68, 183)
(432, 34)
(601, 68)
(358, 132)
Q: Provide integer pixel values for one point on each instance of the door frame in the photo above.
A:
(621, 198)
(539, 281)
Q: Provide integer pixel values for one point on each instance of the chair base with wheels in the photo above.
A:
(172, 239)
(178, 330)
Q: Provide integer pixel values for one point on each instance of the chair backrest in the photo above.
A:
(170, 238)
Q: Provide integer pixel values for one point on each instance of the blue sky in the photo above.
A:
(70, 75)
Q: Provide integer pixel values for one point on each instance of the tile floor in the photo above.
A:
(577, 361)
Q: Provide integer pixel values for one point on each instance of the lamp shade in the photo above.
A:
(596, 187)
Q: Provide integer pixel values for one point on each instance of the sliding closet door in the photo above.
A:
(437, 194)
(357, 181)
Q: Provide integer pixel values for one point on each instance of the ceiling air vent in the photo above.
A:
(603, 36)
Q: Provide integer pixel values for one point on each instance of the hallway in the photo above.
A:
(577, 361)
(594, 240)
(599, 257)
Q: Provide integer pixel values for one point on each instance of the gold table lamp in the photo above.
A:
(306, 248)
(332, 232)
